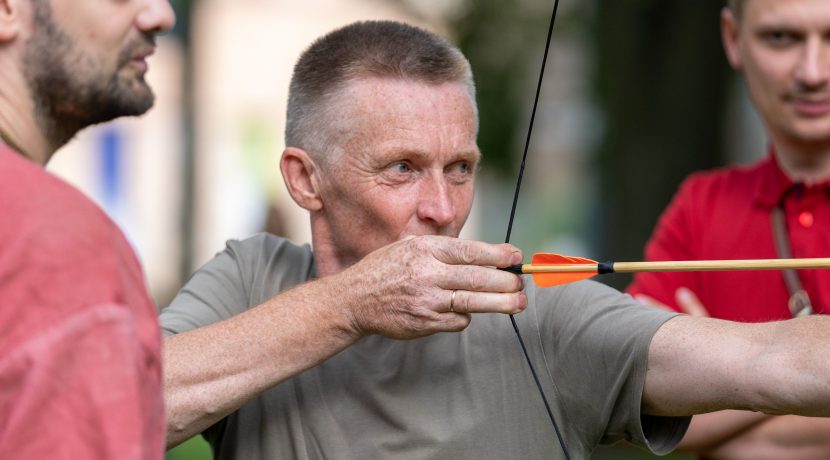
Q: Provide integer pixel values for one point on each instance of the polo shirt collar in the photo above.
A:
(774, 183)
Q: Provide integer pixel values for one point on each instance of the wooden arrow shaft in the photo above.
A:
(571, 268)
(684, 266)
(716, 265)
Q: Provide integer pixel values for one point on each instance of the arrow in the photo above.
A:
(555, 269)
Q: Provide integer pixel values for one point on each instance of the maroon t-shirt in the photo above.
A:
(80, 366)
(725, 214)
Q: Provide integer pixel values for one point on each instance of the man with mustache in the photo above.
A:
(275, 350)
(778, 207)
(80, 368)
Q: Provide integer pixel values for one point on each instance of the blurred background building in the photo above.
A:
(637, 94)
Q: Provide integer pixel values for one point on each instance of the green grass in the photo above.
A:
(195, 448)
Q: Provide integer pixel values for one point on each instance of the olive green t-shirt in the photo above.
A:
(467, 395)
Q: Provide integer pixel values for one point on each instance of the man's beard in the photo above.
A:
(69, 89)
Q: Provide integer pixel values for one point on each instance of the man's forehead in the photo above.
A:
(786, 13)
(391, 99)
(398, 85)
(393, 115)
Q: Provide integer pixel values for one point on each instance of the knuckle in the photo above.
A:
(418, 244)
(477, 282)
(460, 323)
(470, 252)
(466, 254)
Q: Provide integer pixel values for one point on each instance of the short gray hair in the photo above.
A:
(385, 49)
(737, 7)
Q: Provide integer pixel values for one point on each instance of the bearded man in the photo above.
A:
(80, 372)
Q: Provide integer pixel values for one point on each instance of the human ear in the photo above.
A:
(729, 28)
(301, 178)
(9, 20)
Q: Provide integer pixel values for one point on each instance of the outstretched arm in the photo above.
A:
(699, 365)
(401, 291)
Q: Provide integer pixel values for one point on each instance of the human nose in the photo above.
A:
(157, 16)
(436, 204)
(813, 66)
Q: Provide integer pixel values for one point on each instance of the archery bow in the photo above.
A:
(510, 228)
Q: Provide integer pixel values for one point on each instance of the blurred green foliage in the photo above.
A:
(195, 448)
(500, 38)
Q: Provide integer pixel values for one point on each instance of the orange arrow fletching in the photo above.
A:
(555, 279)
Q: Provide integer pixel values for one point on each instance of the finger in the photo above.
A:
(688, 301)
(479, 279)
(456, 251)
(454, 322)
(467, 302)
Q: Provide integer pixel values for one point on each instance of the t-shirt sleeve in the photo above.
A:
(244, 275)
(214, 293)
(674, 238)
(74, 390)
(596, 342)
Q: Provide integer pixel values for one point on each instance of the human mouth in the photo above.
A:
(139, 59)
(812, 107)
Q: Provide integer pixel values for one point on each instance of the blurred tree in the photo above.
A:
(662, 83)
(182, 32)
(503, 39)
(195, 448)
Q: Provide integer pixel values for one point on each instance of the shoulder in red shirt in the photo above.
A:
(80, 371)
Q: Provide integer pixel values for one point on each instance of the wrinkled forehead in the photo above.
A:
(381, 101)
(382, 114)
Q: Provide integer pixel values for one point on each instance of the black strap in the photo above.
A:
(799, 302)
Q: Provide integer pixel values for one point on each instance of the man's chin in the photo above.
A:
(137, 99)
(814, 132)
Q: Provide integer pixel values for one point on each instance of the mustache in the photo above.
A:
(146, 42)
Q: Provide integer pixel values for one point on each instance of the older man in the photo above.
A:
(275, 351)
(80, 368)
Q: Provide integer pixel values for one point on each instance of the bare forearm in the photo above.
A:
(702, 365)
(212, 371)
(708, 431)
(790, 436)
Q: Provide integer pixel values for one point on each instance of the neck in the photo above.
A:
(804, 162)
(18, 125)
(328, 259)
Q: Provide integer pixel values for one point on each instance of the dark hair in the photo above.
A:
(384, 49)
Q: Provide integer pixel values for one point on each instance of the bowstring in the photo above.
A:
(510, 229)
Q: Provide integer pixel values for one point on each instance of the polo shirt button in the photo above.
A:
(805, 219)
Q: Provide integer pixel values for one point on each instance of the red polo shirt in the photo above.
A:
(725, 214)
(80, 348)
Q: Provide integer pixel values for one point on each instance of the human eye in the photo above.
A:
(779, 38)
(400, 167)
(398, 172)
(461, 170)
